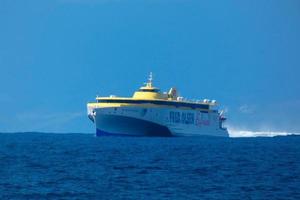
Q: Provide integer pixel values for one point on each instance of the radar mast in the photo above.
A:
(150, 80)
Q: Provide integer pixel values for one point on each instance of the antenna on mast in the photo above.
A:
(150, 80)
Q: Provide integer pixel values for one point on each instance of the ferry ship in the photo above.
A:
(150, 112)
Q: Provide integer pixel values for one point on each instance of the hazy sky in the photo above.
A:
(56, 55)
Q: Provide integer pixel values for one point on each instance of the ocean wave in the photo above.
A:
(247, 133)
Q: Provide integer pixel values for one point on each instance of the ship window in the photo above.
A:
(148, 90)
(167, 103)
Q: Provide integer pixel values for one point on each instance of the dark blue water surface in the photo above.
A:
(81, 166)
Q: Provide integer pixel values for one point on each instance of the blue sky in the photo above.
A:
(56, 55)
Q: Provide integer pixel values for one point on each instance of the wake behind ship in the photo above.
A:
(150, 112)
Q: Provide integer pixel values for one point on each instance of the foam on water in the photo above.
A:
(247, 133)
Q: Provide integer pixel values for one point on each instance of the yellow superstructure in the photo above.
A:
(150, 96)
(149, 92)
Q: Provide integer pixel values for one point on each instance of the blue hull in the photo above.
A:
(113, 125)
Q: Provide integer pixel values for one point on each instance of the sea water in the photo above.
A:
(82, 166)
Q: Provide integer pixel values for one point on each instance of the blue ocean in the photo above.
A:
(82, 166)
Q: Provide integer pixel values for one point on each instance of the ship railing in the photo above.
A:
(205, 101)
